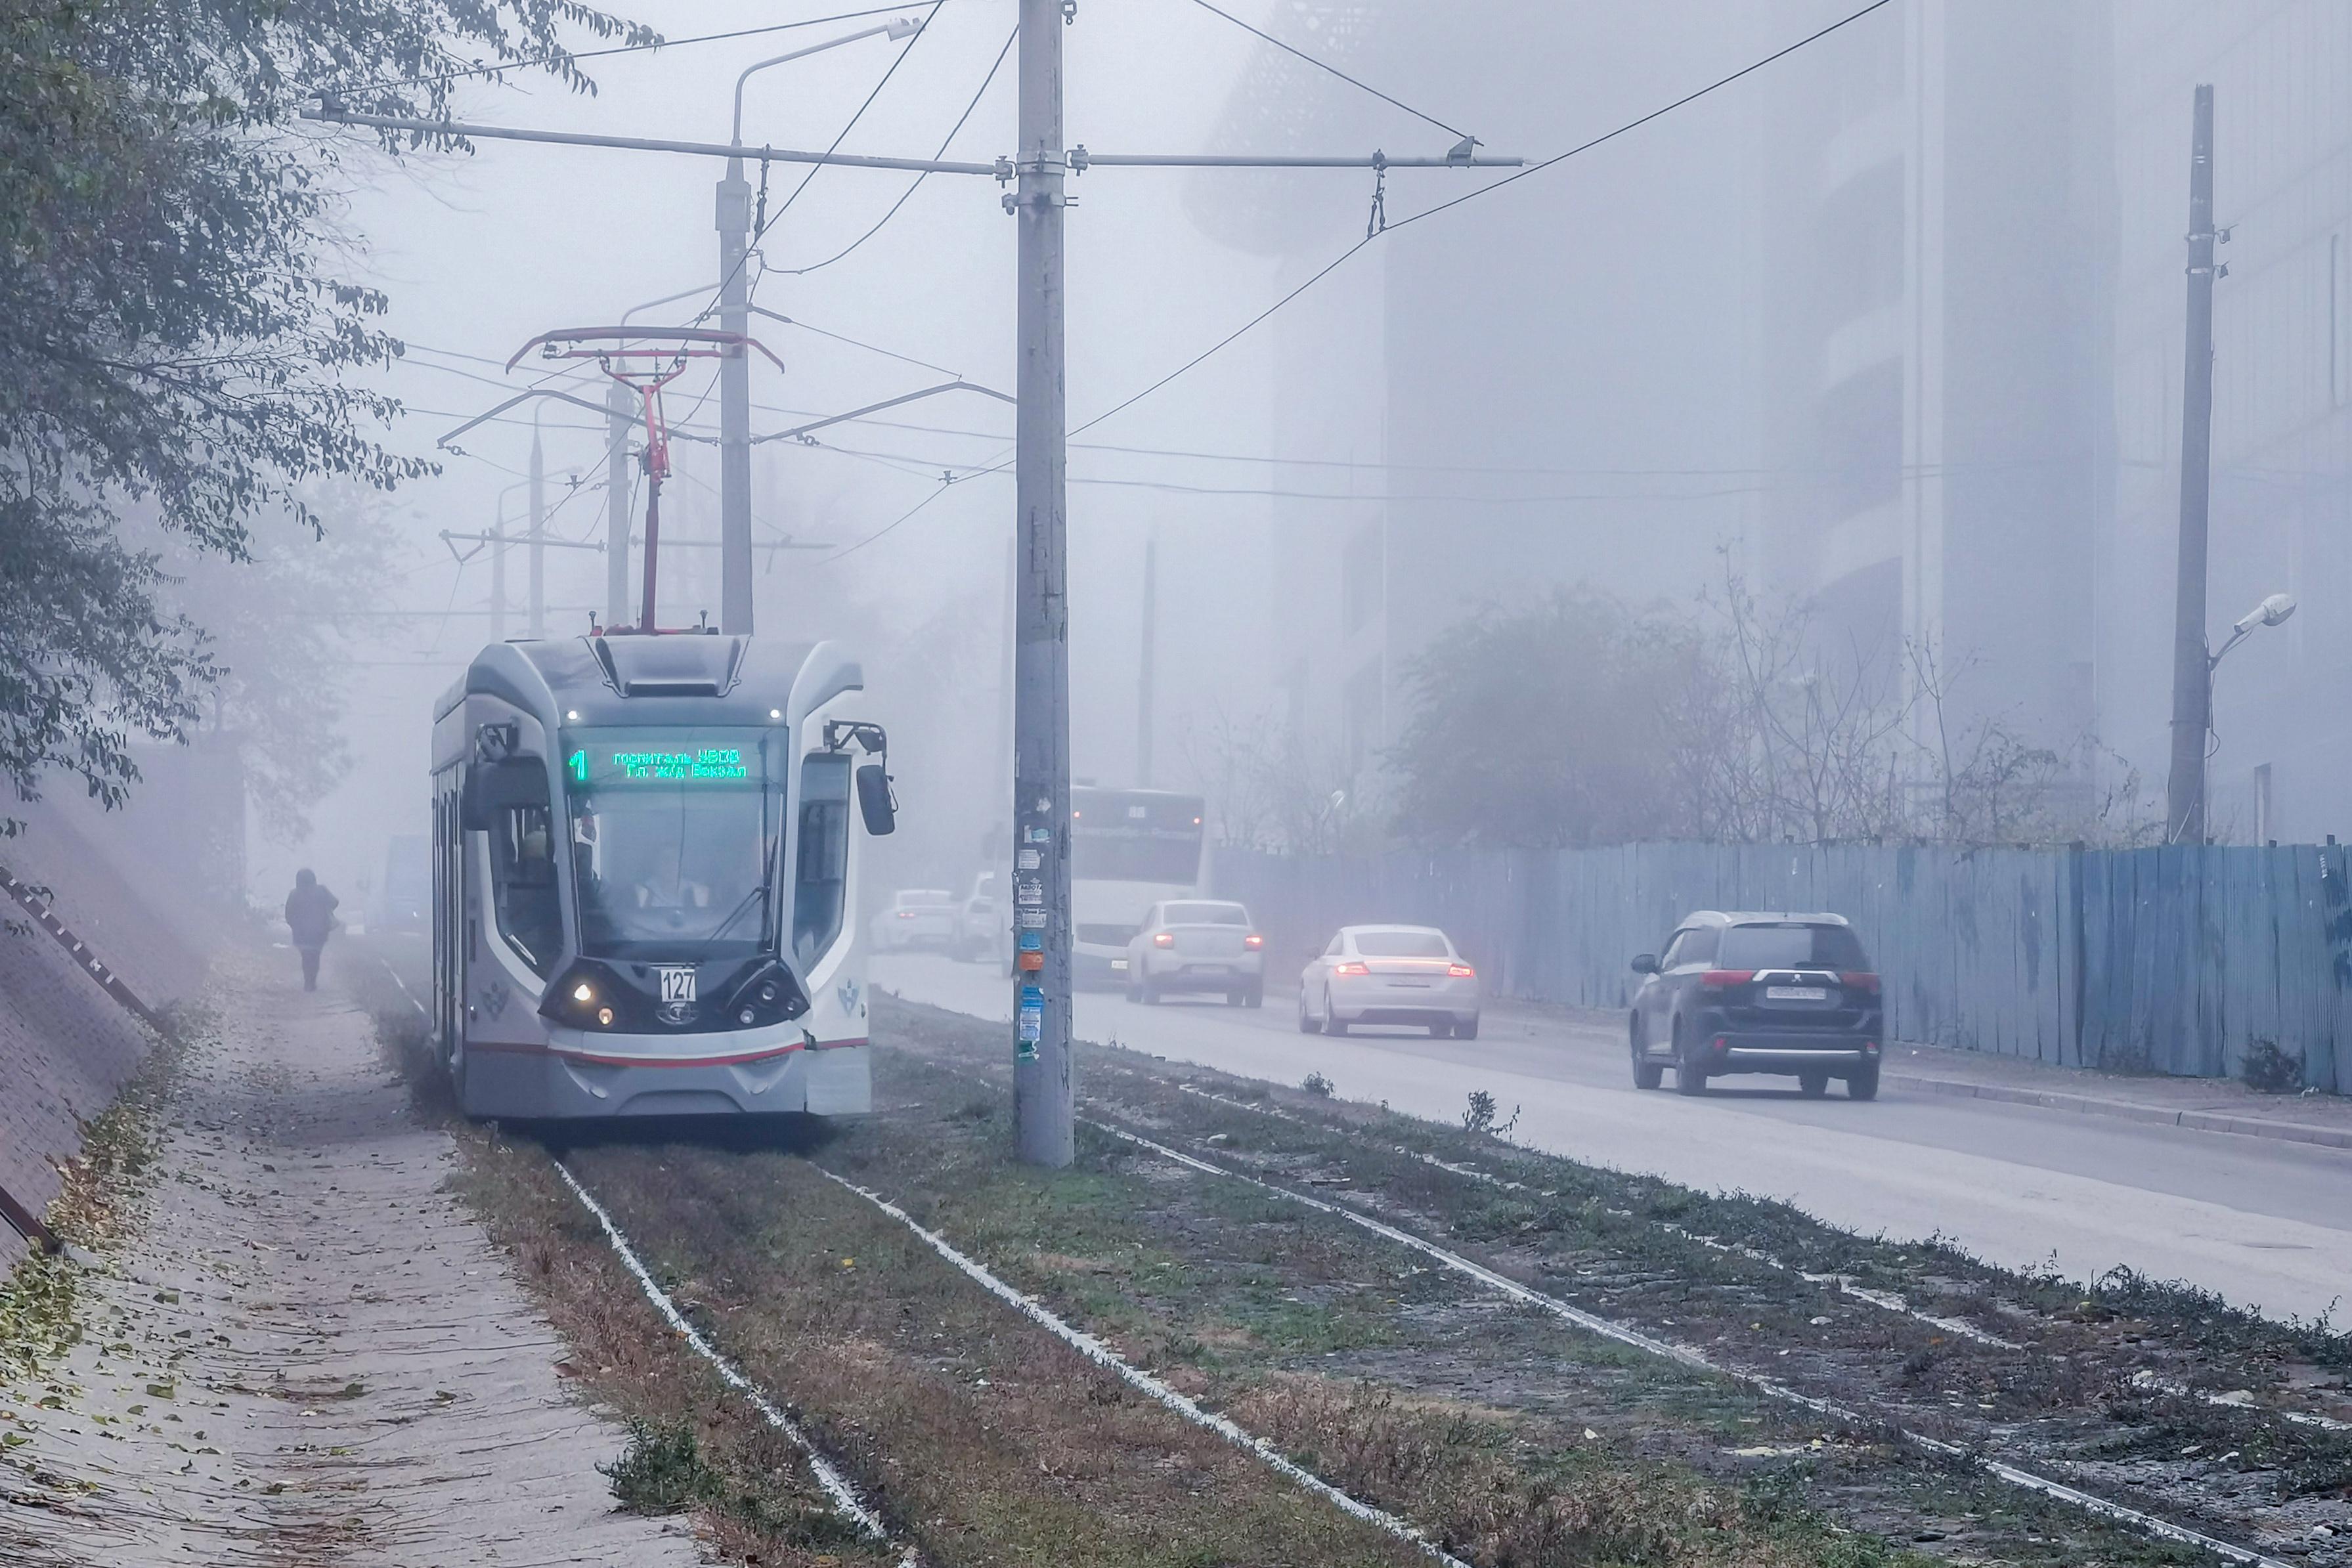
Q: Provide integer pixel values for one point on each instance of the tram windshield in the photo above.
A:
(674, 839)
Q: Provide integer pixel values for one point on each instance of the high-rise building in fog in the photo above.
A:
(1900, 317)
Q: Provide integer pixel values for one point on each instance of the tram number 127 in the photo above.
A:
(677, 985)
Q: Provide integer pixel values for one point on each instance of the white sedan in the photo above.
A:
(1412, 976)
(917, 917)
(1197, 944)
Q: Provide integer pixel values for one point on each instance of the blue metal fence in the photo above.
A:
(2162, 959)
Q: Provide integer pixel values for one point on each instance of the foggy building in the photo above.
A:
(1898, 319)
(1548, 385)
(1934, 206)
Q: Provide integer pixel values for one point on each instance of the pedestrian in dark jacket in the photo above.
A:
(309, 915)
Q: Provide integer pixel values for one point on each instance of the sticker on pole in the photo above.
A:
(1028, 860)
(1032, 920)
(1032, 1030)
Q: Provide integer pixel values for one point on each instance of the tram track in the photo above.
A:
(709, 1213)
(1116, 1113)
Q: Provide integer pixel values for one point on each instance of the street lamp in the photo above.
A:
(734, 220)
(2271, 612)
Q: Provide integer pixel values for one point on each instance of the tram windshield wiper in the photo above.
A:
(761, 893)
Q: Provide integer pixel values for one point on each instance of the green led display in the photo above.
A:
(709, 763)
(641, 757)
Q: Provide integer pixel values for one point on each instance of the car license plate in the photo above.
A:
(1423, 984)
(1796, 994)
(677, 985)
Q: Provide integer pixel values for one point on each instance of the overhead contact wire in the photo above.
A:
(1324, 65)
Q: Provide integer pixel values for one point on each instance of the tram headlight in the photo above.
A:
(589, 994)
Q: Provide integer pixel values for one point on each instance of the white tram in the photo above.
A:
(645, 875)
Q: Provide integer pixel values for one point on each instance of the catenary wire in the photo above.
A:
(916, 183)
(1347, 255)
(576, 55)
(1334, 70)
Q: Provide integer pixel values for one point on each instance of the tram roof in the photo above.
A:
(684, 677)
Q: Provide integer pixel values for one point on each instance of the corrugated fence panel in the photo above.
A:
(2169, 960)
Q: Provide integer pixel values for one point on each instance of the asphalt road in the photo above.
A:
(2264, 1225)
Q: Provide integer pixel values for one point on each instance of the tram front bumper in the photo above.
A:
(557, 1083)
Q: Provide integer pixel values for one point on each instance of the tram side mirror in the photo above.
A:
(518, 781)
(874, 802)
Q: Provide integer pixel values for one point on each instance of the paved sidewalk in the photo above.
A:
(2205, 1104)
(310, 1354)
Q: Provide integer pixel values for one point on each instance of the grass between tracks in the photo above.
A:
(1509, 1438)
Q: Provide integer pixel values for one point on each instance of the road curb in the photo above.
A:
(2129, 1110)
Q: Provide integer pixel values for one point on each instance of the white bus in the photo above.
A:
(1129, 850)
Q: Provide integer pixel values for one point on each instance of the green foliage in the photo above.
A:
(1314, 1083)
(177, 344)
(1546, 727)
(662, 1470)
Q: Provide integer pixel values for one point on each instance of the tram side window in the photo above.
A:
(522, 864)
(821, 881)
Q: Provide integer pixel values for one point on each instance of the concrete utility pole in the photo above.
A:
(735, 237)
(2191, 669)
(499, 573)
(1043, 1106)
(617, 411)
(537, 532)
(734, 406)
(1143, 678)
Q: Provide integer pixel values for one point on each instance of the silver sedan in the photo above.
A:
(1412, 976)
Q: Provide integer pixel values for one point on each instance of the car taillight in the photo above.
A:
(1352, 969)
(1860, 982)
(1725, 979)
(1163, 939)
(1461, 972)
(1252, 940)
(906, 914)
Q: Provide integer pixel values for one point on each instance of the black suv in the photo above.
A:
(1757, 993)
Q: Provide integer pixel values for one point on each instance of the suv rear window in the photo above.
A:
(1401, 944)
(1790, 946)
(1207, 915)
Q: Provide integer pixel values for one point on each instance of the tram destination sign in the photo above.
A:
(619, 760)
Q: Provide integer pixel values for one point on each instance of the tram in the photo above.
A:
(644, 869)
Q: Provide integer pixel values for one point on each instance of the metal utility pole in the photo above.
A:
(1042, 1107)
(2191, 669)
(498, 574)
(538, 533)
(734, 405)
(1143, 680)
(617, 411)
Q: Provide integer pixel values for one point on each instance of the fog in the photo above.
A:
(1946, 411)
